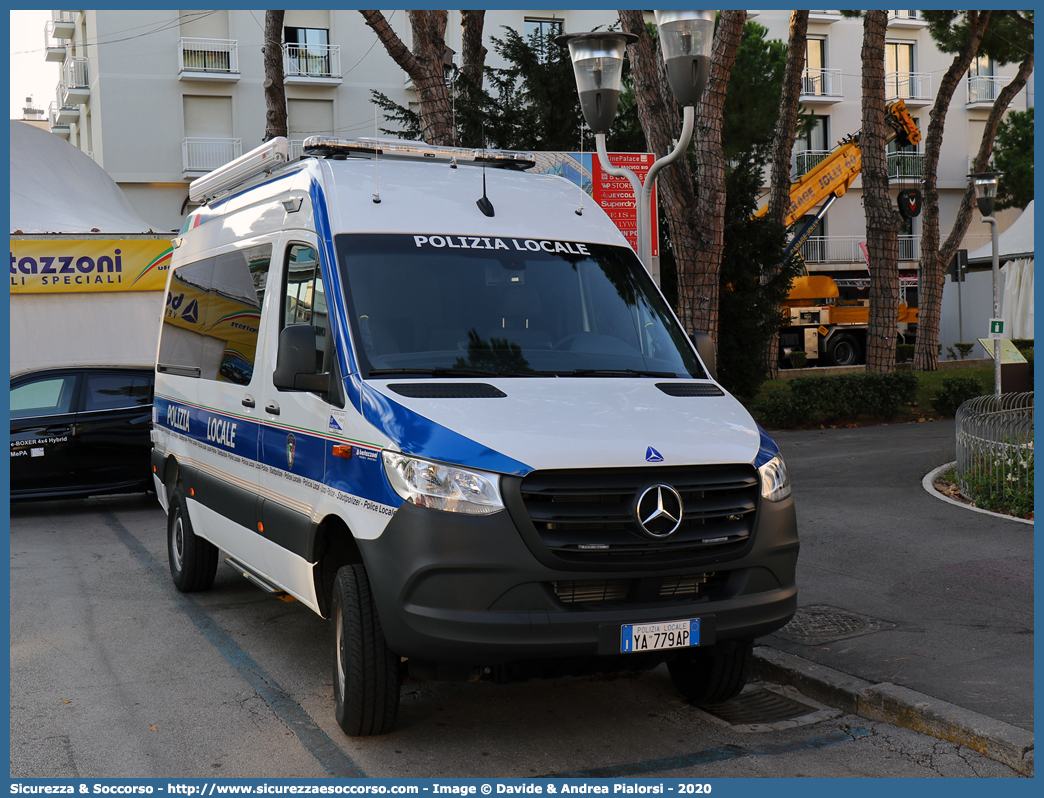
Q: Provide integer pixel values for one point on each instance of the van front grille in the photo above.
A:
(654, 590)
(590, 516)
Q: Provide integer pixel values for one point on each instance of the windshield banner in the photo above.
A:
(45, 266)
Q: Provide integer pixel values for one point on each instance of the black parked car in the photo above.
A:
(80, 432)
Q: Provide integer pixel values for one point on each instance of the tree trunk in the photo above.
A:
(698, 293)
(783, 147)
(661, 122)
(934, 259)
(275, 94)
(882, 220)
(425, 65)
(473, 53)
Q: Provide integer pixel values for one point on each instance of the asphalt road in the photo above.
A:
(116, 674)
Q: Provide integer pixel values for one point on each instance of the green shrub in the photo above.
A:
(1002, 485)
(815, 400)
(1022, 344)
(954, 392)
(798, 359)
(904, 353)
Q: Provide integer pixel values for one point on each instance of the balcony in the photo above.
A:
(914, 88)
(208, 59)
(821, 86)
(807, 160)
(77, 86)
(312, 64)
(823, 17)
(984, 89)
(63, 25)
(202, 155)
(54, 124)
(65, 112)
(906, 19)
(904, 165)
(54, 48)
(837, 250)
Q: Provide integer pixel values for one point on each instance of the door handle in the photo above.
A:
(248, 401)
(273, 408)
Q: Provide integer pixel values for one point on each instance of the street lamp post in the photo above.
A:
(685, 40)
(986, 197)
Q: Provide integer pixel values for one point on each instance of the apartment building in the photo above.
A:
(160, 97)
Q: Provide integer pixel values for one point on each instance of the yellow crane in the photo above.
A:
(818, 323)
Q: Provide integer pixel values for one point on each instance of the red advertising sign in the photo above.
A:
(616, 197)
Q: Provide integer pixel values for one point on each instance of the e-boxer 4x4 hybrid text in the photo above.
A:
(427, 395)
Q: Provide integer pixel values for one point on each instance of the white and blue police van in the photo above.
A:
(439, 401)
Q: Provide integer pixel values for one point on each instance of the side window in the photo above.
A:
(304, 296)
(213, 315)
(117, 391)
(49, 396)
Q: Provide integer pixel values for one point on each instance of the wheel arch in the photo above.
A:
(333, 546)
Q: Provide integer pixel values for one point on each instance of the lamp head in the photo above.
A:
(685, 40)
(986, 184)
(598, 67)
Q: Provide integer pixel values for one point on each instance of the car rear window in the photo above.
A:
(114, 391)
(49, 396)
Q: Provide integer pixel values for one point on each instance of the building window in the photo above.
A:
(899, 70)
(540, 34)
(308, 50)
(815, 80)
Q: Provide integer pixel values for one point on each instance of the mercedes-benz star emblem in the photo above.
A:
(659, 511)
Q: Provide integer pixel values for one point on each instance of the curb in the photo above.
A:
(901, 706)
(928, 483)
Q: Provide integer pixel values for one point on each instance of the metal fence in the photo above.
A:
(995, 443)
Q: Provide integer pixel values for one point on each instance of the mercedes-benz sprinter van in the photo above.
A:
(439, 401)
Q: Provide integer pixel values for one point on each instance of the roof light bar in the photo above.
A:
(261, 159)
(416, 150)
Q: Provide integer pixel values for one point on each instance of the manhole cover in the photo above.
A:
(758, 706)
(820, 624)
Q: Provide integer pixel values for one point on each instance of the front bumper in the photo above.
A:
(468, 590)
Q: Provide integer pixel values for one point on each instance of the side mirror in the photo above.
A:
(295, 361)
(705, 348)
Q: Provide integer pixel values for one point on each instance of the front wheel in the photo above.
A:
(193, 561)
(844, 350)
(366, 674)
(713, 674)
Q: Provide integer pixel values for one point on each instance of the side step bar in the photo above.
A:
(253, 576)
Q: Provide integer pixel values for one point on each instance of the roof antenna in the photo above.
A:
(580, 172)
(376, 160)
(484, 204)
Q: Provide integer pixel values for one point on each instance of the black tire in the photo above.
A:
(713, 674)
(193, 561)
(366, 675)
(844, 350)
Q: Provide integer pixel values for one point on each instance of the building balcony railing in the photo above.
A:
(54, 124)
(312, 63)
(75, 79)
(66, 111)
(201, 155)
(983, 89)
(64, 25)
(902, 165)
(208, 59)
(846, 249)
(906, 19)
(807, 160)
(913, 87)
(54, 46)
(822, 85)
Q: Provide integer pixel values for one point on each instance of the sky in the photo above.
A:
(30, 74)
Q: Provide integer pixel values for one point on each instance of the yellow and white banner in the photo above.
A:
(44, 266)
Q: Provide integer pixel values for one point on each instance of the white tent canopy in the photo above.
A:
(1015, 242)
(55, 188)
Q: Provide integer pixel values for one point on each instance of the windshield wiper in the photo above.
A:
(444, 372)
(617, 373)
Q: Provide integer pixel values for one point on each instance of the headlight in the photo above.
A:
(442, 487)
(775, 484)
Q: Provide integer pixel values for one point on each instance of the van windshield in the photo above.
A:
(464, 306)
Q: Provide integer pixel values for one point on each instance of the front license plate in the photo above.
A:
(664, 634)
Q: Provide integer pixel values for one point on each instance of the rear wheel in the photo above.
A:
(844, 350)
(366, 674)
(713, 674)
(193, 561)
